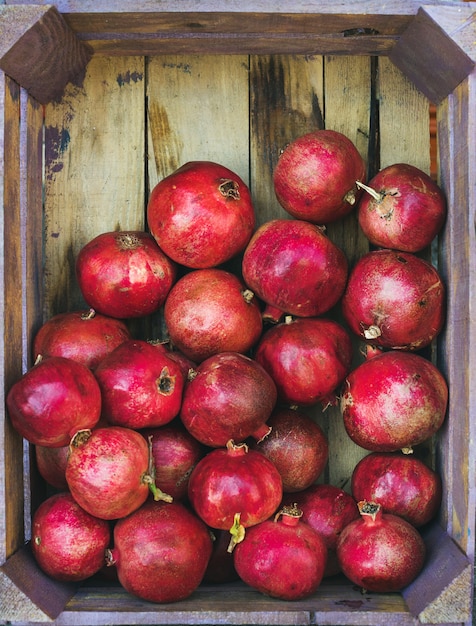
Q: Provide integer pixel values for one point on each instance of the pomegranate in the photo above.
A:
(141, 385)
(68, 543)
(221, 566)
(234, 488)
(294, 268)
(84, 336)
(379, 551)
(315, 176)
(51, 464)
(284, 558)
(161, 552)
(110, 471)
(308, 359)
(403, 485)
(210, 311)
(53, 400)
(297, 446)
(201, 215)
(124, 274)
(393, 400)
(403, 209)
(228, 396)
(175, 453)
(327, 509)
(394, 300)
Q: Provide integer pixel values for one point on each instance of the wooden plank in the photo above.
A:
(94, 172)
(39, 50)
(430, 36)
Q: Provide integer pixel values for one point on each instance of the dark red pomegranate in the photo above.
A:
(297, 446)
(380, 552)
(315, 176)
(308, 358)
(403, 209)
(141, 385)
(228, 396)
(161, 552)
(210, 311)
(327, 509)
(402, 484)
(284, 558)
(234, 488)
(294, 268)
(394, 300)
(394, 400)
(51, 463)
(68, 543)
(53, 400)
(110, 471)
(221, 566)
(124, 274)
(201, 215)
(175, 454)
(84, 336)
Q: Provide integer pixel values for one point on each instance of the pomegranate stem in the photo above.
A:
(375, 194)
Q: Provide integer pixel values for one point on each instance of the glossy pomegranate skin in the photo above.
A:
(51, 464)
(234, 480)
(315, 176)
(294, 268)
(308, 359)
(67, 542)
(141, 386)
(228, 396)
(53, 400)
(402, 484)
(201, 215)
(409, 213)
(327, 509)
(394, 300)
(161, 552)
(175, 454)
(210, 311)
(106, 471)
(84, 336)
(297, 446)
(282, 558)
(124, 274)
(381, 553)
(394, 400)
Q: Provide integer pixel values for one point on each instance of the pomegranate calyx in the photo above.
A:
(248, 295)
(79, 438)
(272, 314)
(110, 556)
(372, 332)
(350, 197)
(407, 450)
(237, 532)
(229, 188)
(236, 448)
(261, 432)
(88, 315)
(166, 382)
(290, 514)
(128, 241)
(371, 510)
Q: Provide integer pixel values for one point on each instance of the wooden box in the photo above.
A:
(101, 99)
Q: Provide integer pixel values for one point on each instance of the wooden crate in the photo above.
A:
(101, 99)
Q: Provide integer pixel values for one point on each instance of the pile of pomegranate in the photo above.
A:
(193, 456)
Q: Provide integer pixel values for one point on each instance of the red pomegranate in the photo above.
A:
(315, 176)
(327, 509)
(234, 488)
(110, 471)
(68, 543)
(53, 400)
(201, 215)
(294, 268)
(221, 566)
(394, 300)
(175, 454)
(124, 274)
(379, 551)
(403, 209)
(297, 446)
(84, 336)
(228, 396)
(284, 558)
(210, 311)
(141, 386)
(51, 464)
(393, 400)
(161, 552)
(308, 358)
(402, 484)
